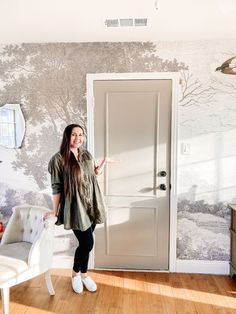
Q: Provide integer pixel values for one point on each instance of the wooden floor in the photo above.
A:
(128, 292)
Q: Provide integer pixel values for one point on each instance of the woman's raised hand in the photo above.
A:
(111, 160)
(99, 168)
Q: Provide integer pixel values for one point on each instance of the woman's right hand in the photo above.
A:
(49, 214)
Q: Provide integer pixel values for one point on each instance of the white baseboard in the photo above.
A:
(203, 267)
(182, 266)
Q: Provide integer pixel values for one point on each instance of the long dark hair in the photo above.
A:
(71, 168)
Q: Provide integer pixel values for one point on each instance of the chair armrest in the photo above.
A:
(41, 251)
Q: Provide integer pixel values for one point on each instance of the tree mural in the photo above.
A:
(193, 91)
(203, 230)
(225, 86)
(49, 80)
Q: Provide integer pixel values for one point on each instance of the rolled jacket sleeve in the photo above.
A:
(55, 170)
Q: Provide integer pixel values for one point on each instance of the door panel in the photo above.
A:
(132, 124)
(125, 119)
(136, 219)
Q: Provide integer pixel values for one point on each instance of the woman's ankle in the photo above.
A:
(74, 273)
(84, 275)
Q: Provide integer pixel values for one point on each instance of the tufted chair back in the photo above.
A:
(27, 223)
(26, 249)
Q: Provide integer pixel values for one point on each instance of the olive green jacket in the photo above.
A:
(87, 205)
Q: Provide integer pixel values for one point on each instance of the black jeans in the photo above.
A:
(86, 242)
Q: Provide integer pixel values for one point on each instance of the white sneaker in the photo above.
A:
(77, 284)
(89, 284)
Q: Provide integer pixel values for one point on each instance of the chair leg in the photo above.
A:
(49, 283)
(5, 300)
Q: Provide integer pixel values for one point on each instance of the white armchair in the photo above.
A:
(26, 249)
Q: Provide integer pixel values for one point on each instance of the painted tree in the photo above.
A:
(193, 91)
(49, 80)
(12, 198)
(225, 85)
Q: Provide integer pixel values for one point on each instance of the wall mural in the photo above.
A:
(228, 66)
(48, 80)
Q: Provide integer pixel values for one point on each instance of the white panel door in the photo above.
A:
(132, 120)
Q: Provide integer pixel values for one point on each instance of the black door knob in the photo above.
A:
(162, 173)
(162, 187)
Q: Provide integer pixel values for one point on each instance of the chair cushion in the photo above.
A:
(18, 250)
(12, 264)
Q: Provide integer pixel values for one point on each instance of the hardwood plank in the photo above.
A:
(128, 292)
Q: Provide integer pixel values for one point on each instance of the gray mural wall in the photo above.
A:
(49, 81)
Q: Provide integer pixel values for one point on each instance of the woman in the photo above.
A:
(77, 200)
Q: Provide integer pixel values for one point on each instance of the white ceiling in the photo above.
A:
(83, 20)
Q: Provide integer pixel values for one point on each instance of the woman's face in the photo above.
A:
(76, 138)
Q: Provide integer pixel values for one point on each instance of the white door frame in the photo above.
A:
(174, 76)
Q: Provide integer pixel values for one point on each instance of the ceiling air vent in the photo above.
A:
(140, 22)
(126, 22)
(112, 23)
(129, 22)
